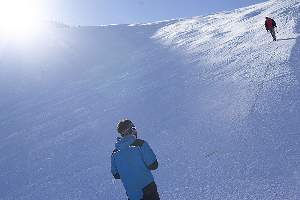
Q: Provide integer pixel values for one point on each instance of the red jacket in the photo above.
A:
(270, 23)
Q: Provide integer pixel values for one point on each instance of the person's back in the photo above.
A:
(131, 161)
(270, 25)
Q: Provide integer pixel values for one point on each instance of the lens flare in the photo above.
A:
(18, 17)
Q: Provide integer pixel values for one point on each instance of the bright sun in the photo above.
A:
(18, 17)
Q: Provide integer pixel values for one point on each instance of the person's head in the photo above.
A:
(267, 17)
(126, 127)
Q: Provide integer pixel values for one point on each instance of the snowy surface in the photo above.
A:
(216, 98)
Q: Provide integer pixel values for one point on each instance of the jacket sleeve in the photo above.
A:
(274, 23)
(266, 26)
(114, 169)
(149, 157)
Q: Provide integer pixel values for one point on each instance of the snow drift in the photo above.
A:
(216, 98)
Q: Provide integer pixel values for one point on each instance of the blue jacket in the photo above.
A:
(131, 161)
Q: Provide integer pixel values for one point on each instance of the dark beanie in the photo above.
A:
(123, 125)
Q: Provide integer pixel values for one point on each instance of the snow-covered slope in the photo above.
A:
(216, 98)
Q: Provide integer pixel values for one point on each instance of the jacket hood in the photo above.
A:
(124, 142)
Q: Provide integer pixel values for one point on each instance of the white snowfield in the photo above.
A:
(216, 98)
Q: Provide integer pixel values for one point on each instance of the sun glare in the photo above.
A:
(18, 17)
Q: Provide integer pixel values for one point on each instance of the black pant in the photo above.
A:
(150, 192)
(272, 31)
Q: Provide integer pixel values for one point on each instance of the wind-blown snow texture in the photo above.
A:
(215, 97)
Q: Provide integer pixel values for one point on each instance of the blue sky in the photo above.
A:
(97, 12)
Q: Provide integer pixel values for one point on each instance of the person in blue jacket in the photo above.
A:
(132, 161)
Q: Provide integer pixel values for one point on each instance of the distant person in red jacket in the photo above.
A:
(270, 25)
